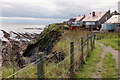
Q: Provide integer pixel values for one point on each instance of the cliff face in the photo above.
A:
(14, 44)
(45, 44)
(24, 46)
(48, 38)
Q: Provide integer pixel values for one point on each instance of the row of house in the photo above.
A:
(112, 24)
(93, 20)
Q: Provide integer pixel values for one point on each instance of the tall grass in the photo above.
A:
(62, 46)
(109, 65)
(110, 39)
(29, 72)
(67, 37)
(90, 67)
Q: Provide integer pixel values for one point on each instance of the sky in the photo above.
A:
(50, 11)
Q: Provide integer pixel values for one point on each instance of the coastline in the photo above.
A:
(18, 41)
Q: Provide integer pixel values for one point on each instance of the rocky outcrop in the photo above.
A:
(12, 42)
(45, 44)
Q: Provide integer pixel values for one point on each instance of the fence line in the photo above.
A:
(14, 73)
(87, 42)
(82, 58)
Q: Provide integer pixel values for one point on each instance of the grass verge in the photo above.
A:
(109, 65)
(109, 39)
(89, 68)
(113, 42)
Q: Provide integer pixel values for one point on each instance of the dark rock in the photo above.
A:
(20, 60)
(6, 35)
(16, 45)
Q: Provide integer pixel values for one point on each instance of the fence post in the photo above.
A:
(40, 69)
(91, 42)
(82, 51)
(71, 59)
(87, 45)
(82, 45)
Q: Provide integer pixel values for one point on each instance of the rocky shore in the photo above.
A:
(23, 47)
(12, 42)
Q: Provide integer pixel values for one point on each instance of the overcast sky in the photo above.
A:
(50, 11)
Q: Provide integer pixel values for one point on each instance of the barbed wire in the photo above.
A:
(28, 66)
(69, 67)
(23, 68)
(58, 64)
(79, 49)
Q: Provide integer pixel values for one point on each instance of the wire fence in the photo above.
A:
(65, 68)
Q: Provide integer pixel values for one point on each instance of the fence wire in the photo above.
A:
(77, 51)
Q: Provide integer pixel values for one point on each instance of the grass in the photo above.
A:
(67, 37)
(113, 42)
(109, 39)
(109, 65)
(90, 67)
(62, 46)
(30, 72)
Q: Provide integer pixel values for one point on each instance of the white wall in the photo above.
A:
(90, 23)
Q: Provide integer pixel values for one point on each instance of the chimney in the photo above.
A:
(109, 11)
(115, 12)
(93, 13)
(84, 15)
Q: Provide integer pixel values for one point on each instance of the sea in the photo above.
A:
(21, 28)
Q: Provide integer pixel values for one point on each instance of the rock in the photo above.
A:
(6, 35)
(20, 60)
(17, 44)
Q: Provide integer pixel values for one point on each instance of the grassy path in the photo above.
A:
(108, 65)
(111, 50)
(102, 63)
(88, 69)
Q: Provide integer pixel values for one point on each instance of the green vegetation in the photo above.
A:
(89, 68)
(109, 39)
(67, 37)
(61, 46)
(27, 72)
(64, 46)
(109, 65)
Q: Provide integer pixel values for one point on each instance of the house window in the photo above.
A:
(106, 18)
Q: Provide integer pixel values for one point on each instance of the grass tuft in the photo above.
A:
(109, 65)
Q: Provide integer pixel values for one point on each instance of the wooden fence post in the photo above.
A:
(91, 42)
(82, 45)
(82, 51)
(87, 45)
(71, 59)
(40, 66)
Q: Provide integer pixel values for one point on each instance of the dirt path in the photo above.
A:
(105, 49)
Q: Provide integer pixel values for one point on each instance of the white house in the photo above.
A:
(111, 24)
(78, 21)
(94, 20)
